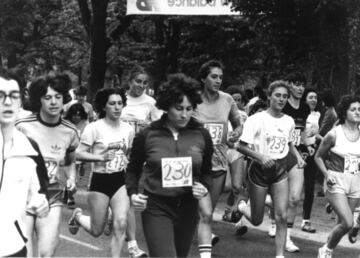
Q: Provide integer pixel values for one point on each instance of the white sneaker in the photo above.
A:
(136, 252)
(272, 230)
(324, 252)
(290, 246)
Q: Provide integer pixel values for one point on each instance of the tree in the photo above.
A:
(96, 19)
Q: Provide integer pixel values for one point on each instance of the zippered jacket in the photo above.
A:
(19, 190)
(156, 142)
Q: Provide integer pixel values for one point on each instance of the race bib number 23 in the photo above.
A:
(176, 172)
(351, 165)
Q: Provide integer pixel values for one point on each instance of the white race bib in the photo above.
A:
(216, 132)
(296, 137)
(118, 163)
(52, 167)
(176, 172)
(276, 144)
(351, 165)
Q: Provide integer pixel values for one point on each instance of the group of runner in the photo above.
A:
(170, 158)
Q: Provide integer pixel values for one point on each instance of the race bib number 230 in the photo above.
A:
(176, 172)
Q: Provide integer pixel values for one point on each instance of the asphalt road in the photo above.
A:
(255, 243)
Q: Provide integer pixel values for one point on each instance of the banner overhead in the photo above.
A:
(179, 7)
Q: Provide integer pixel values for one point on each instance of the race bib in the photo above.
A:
(52, 167)
(351, 165)
(276, 144)
(216, 132)
(296, 137)
(118, 163)
(176, 172)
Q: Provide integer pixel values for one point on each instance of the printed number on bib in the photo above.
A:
(52, 170)
(176, 172)
(276, 144)
(351, 165)
(296, 136)
(118, 163)
(216, 132)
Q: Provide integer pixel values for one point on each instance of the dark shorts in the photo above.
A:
(56, 195)
(107, 184)
(265, 177)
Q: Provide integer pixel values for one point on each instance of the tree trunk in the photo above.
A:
(98, 46)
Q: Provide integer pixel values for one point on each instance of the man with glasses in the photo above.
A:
(20, 187)
(58, 140)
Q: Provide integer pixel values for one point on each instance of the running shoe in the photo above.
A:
(227, 215)
(71, 203)
(215, 239)
(328, 208)
(73, 224)
(290, 246)
(135, 252)
(306, 227)
(324, 252)
(272, 230)
(240, 228)
(353, 234)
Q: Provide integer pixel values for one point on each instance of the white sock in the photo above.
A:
(288, 233)
(279, 256)
(132, 243)
(241, 206)
(327, 248)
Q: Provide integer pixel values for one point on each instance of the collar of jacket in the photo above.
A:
(161, 123)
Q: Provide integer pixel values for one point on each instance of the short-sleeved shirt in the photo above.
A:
(55, 141)
(100, 136)
(269, 135)
(215, 117)
(299, 115)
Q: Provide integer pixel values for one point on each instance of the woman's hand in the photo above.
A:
(267, 161)
(109, 155)
(234, 136)
(139, 201)
(199, 190)
(330, 180)
(301, 162)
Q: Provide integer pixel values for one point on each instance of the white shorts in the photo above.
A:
(348, 184)
(233, 155)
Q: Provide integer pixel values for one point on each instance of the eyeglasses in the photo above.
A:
(13, 95)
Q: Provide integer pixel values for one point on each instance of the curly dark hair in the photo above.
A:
(296, 77)
(81, 90)
(175, 88)
(59, 82)
(206, 68)
(235, 89)
(344, 105)
(259, 104)
(102, 97)
(74, 109)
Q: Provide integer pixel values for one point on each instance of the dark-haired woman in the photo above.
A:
(173, 155)
(106, 142)
(311, 139)
(338, 158)
(216, 110)
(77, 115)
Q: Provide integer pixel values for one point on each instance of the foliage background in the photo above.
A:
(96, 43)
